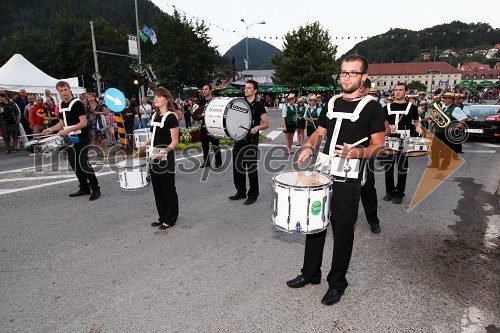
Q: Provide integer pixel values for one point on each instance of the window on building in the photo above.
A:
(491, 76)
(474, 77)
(454, 81)
(467, 76)
(482, 76)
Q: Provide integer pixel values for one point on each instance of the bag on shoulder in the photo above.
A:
(101, 123)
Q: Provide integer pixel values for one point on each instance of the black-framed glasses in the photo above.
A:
(350, 74)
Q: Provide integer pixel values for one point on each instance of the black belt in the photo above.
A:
(345, 180)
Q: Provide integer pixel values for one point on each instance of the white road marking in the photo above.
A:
(274, 134)
(35, 178)
(489, 145)
(22, 169)
(48, 184)
(480, 151)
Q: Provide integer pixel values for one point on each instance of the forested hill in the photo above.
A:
(259, 53)
(401, 45)
(55, 36)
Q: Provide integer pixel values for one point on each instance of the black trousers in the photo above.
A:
(402, 170)
(187, 119)
(369, 194)
(206, 139)
(79, 160)
(344, 204)
(245, 162)
(167, 201)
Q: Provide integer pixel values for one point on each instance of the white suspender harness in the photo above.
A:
(156, 124)
(337, 166)
(403, 132)
(67, 109)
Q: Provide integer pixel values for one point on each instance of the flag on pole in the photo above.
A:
(152, 36)
(144, 37)
(246, 64)
(148, 33)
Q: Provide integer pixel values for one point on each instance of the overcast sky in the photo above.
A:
(365, 19)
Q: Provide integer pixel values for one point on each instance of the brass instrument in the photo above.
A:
(437, 115)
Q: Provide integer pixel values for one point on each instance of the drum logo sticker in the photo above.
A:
(316, 207)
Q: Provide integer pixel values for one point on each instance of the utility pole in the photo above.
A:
(96, 75)
(139, 59)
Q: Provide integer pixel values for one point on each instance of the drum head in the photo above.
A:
(142, 131)
(238, 118)
(131, 164)
(306, 179)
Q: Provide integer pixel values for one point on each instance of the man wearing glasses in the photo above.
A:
(346, 193)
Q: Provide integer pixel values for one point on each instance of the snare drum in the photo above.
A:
(133, 174)
(51, 144)
(141, 136)
(393, 145)
(227, 117)
(416, 146)
(301, 201)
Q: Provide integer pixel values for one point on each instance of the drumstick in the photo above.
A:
(348, 146)
(248, 129)
(42, 136)
(37, 134)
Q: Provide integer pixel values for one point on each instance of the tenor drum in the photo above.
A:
(416, 146)
(133, 174)
(141, 136)
(301, 201)
(227, 117)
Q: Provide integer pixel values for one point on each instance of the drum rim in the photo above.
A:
(224, 115)
(302, 187)
(134, 166)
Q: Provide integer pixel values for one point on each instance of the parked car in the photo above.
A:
(484, 121)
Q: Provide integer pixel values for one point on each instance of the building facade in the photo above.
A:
(432, 74)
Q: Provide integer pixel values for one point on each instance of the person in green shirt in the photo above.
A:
(311, 115)
(289, 121)
(301, 122)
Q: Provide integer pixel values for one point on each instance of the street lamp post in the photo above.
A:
(246, 39)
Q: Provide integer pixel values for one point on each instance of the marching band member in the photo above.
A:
(301, 122)
(164, 139)
(289, 121)
(455, 114)
(245, 152)
(312, 114)
(206, 139)
(400, 115)
(346, 194)
(73, 119)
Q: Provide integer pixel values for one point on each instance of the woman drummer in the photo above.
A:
(165, 139)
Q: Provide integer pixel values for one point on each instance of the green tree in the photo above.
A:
(417, 85)
(308, 57)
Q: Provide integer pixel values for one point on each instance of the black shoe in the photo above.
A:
(375, 228)
(237, 196)
(388, 197)
(95, 194)
(300, 281)
(332, 296)
(80, 193)
(250, 201)
(397, 200)
(217, 166)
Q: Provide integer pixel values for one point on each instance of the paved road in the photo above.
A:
(70, 265)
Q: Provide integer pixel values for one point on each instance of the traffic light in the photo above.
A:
(136, 79)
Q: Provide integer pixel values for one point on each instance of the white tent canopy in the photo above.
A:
(18, 73)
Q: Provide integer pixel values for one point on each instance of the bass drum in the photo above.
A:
(228, 118)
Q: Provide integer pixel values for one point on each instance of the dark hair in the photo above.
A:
(163, 85)
(357, 57)
(367, 84)
(163, 92)
(208, 85)
(254, 83)
(3, 95)
(402, 84)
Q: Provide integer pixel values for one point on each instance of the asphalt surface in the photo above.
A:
(70, 265)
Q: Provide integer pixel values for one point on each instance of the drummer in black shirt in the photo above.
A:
(345, 194)
(396, 193)
(245, 152)
(76, 118)
(206, 139)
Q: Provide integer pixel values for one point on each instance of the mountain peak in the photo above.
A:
(259, 53)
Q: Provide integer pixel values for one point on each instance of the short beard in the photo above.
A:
(351, 90)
